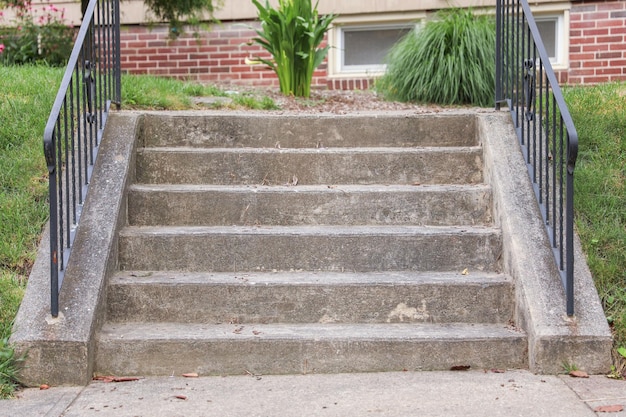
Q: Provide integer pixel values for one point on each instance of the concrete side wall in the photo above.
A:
(60, 350)
(553, 337)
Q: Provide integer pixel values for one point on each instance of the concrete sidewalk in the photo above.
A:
(470, 393)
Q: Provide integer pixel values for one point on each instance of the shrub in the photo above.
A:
(180, 12)
(292, 35)
(451, 60)
(37, 35)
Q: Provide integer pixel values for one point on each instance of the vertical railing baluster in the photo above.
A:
(561, 164)
(554, 162)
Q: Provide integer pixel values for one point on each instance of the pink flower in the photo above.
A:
(1, 47)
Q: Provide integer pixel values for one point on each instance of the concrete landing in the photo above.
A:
(473, 394)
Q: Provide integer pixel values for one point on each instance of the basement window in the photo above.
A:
(362, 49)
(553, 34)
(365, 48)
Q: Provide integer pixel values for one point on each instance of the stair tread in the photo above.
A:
(311, 230)
(295, 278)
(316, 151)
(309, 331)
(315, 188)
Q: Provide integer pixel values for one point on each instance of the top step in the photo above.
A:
(271, 130)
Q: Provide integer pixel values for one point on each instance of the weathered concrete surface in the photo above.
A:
(68, 352)
(438, 394)
(311, 248)
(267, 130)
(196, 205)
(231, 349)
(61, 350)
(554, 338)
(309, 297)
(329, 166)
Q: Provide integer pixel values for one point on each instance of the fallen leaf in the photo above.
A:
(125, 379)
(111, 378)
(579, 374)
(256, 332)
(459, 367)
(191, 375)
(609, 408)
(416, 183)
(465, 272)
(498, 371)
(44, 387)
(180, 397)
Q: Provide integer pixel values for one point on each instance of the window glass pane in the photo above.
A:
(369, 46)
(547, 29)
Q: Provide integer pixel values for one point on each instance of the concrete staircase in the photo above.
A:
(283, 244)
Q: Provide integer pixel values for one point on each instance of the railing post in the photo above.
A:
(498, 77)
(118, 64)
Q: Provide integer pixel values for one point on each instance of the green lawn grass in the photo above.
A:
(599, 113)
(27, 96)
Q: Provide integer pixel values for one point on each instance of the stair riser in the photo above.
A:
(434, 303)
(326, 168)
(291, 206)
(257, 252)
(227, 357)
(300, 131)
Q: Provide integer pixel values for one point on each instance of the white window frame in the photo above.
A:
(560, 14)
(336, 67)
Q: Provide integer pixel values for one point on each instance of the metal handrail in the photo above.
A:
(527, 84)
(92, 82)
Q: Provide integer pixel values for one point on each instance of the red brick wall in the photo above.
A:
(597, 52)
(597, 42)
(215, 56)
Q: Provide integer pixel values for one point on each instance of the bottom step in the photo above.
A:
(233, 349)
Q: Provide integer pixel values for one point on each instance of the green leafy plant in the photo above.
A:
(569, 367)
(38, 34)
(450, 60)
(292, 34)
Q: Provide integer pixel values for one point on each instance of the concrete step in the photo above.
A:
(196, 205)
(327, 166)
(308, 297)
(266, 130)
(175, 348)
(310, 248)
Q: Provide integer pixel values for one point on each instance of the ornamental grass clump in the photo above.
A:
(292, 34)
(450, 60)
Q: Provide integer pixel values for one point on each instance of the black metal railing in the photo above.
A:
(527, 84)
(92, 82)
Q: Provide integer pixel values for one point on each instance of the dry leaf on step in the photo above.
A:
(609, 408)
